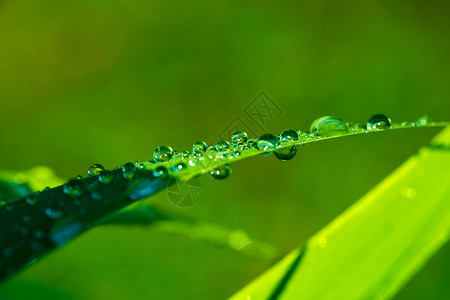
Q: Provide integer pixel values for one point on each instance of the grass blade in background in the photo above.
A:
(377, 245)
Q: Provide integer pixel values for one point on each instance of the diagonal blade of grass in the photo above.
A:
(376, 246)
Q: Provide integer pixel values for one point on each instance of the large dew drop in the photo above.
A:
(378, 122)
(239, 137)
(199, 147)
(286, 153)
(162, 154)
(95, 170)
(267, 142)
(221, 172)
(288, 136)
(328, 126)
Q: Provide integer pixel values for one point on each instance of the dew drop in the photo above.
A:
(239, 137)
(221, 172)
(32, 200)
(424, 120)
(328, 126)
(128, 170)
(378, 122)
(178, 167)
(267, 142)
(199, 147)
(162, 154)
(222, 145)
(286, 153)
(96, 195)
(95, 169)
(160, 171)
(61, 234)
(54, 212)
(73, 188)
(105, 177)
(289, 136)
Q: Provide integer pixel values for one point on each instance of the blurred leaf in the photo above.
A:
(376, 246)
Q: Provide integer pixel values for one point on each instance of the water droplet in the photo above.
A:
(178, 167)
(211, 153)
(78, 177)
(61, 234)
(267, 142)
(221, 172)
(96, 195)
(286, 153)
(199, 147)
(239, 137)
(128, 170)
(160, 171)
(105, 177)
(235, 152)
(288, 136)
(378, 122)
(424, 120)
(32, 200)
(162, 154)
(73, 188)
(222, 145)
(328, 126)
(95, 169)
(54, 212)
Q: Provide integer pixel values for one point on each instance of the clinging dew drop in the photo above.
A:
(73, 188)
(289, 136)
(221, 172)
(378, 122)
(128, 170)
(199, 147)
(286, 153)
(267, 142)
(160, 171)
(105, 177)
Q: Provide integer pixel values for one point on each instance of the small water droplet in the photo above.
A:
(378, 122)
(73, 188)
(162, 154)
(424, 120)
(95, 169)
(78, 177)
(221, 172)
(286, 153)
(289, 136)
(105, 177)
(239, 137)
(32, 200)
(54, 212)
(178, 167)
(63, 233)
(128, 170)
(199, 147)
(160, 171)
(96, 195)
(235, 152)
(267, 142)
(222, 145)
(328, 126)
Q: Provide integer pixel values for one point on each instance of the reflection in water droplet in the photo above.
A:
(222, 145)
(424, 120)
(267, 142)
(105, 177)
(54, 212)
(221, 172)
(199, 147)
(286, 153)
(128, 170)
(73, 188)
(288, 136)
(162, 154)
(239, 137)
(378, 122)
(160, 171)
(328, 126)
(95, 170)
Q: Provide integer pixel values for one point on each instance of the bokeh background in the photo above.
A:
(85, 82)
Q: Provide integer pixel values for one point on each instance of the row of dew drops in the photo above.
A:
(215, 159)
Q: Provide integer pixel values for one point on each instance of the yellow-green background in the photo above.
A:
(108, 81)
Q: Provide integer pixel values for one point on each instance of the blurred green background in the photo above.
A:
(83, 82)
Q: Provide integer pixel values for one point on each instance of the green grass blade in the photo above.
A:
(377, 245)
